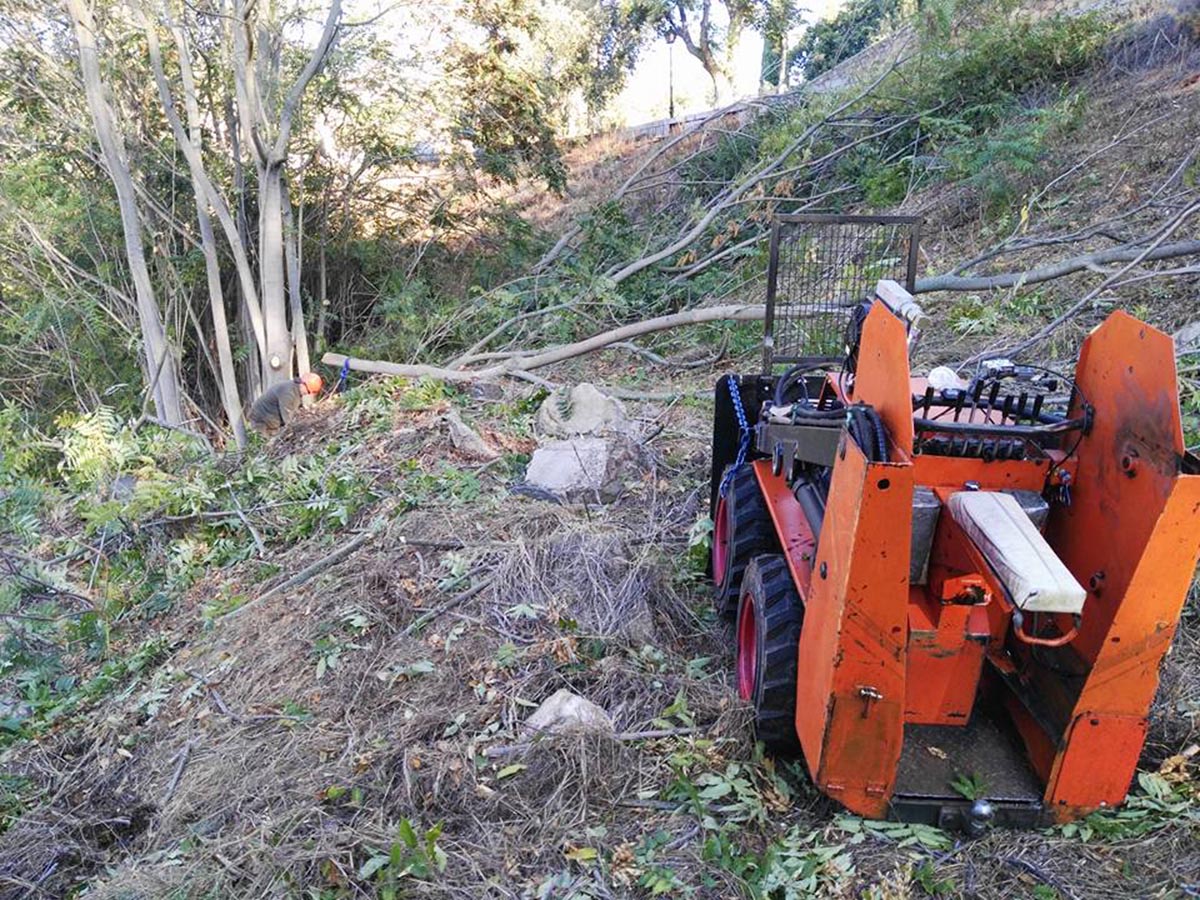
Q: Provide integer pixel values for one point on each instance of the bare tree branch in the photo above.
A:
(1056, 270)
(522, 364)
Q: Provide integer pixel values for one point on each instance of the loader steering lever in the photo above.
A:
(1018, 626)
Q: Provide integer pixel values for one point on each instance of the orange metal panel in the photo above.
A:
(849, 704)
(795, 535)
(1132, 535)
(882, 375)
(867, 730)
(954, 472)
(945, 658)
(1127, 372)
(820, 635)
(1096, 764)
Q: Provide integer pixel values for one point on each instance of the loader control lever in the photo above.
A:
(1018, 627)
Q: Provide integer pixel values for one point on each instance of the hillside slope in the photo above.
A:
(213, 728)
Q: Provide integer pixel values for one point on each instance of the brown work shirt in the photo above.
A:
(276, 407)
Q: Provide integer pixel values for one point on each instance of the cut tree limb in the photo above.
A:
(1055, 270)
(521, 363)
(1146, 253)
(739, 313)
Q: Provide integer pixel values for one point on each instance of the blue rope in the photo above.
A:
(743, 430)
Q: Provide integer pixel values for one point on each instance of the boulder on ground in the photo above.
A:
(564, 712)
(583, 410)
(586, 468)
(466, 440)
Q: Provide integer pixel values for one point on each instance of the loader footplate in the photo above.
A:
(945, 768)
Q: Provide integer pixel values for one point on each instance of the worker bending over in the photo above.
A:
(277, 406)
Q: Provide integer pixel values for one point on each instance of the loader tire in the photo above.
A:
(742, 530)
(768, 637)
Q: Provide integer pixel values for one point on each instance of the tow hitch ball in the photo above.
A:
(980, 818)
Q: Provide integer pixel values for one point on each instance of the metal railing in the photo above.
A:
(820, 267)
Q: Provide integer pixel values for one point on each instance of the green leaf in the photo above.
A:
(407, 835)
(509, 771)
(372, 865)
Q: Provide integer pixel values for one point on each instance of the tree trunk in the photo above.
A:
(212, 268)
(162, 373)
(323, 274)
(252, 364)
(271, 275)
(249, 43)
(291, 253)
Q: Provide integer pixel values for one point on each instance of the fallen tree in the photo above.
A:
(1088, 261)
(518, 363)
(525, 363)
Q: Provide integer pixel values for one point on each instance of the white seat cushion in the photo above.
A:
(1031, 572)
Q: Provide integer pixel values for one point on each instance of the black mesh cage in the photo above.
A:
(820, 268)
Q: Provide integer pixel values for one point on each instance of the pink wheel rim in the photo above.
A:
(720, 542)
(747, 649)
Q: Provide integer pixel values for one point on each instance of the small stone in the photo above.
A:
(485, 390)
(1188, 336)
(466, 440)
(564, 712)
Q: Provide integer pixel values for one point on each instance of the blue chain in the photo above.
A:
(743, 430)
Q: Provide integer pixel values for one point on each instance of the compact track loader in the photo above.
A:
(950, 596)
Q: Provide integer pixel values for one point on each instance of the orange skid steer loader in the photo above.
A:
(950, 596)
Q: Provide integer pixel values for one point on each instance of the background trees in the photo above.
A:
(197, 198)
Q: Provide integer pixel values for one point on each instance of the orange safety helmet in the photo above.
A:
(312, 383)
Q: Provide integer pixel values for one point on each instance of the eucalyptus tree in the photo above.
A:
(161, 368)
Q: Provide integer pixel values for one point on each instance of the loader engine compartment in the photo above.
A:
(984, 573)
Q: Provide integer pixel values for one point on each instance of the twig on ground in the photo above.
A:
(421, 621)
(501, 750)
(1038, 873)
(237, 508)
(311, 571)
(183, 756)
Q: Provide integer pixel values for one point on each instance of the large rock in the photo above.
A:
(564, 712)
(586, 468)
(584, 410)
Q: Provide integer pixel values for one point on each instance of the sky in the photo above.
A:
(646, 94)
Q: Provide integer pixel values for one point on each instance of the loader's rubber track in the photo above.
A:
(742, 529)
(768, 635)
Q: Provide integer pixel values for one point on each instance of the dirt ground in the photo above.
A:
(242, 767)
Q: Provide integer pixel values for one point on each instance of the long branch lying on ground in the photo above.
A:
(741, 313)
(523, 361)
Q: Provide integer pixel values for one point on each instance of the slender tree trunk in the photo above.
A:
(291, 253)
(212, 268)
(323, 274)
(162, 373)
(252, 365)
(255, 64)
(272, 288)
